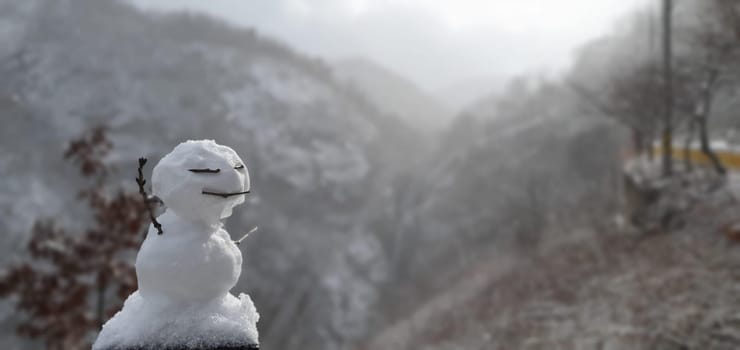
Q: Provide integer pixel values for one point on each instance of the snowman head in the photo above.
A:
(201, 181)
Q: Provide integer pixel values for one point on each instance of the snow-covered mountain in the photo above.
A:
(394, 93)
(316, 150)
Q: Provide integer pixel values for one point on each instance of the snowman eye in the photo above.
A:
(210, 171)
(239, 167)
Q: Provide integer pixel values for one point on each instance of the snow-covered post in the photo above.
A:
(185, 273)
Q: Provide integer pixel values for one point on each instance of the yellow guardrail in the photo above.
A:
(730, 158)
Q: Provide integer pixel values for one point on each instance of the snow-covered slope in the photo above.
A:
(501, 182)
(314, 149)
(602, 290)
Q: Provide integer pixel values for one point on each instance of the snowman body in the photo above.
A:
(199, 265)
(185, 274)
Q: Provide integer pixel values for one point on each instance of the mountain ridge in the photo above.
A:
(394, 93)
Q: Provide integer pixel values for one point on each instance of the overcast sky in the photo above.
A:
(436, 43)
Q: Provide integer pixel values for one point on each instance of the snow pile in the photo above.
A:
(146, 323)
(186, 273)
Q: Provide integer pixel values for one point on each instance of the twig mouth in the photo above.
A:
(223, 194)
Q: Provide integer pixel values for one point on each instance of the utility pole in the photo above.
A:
(653, 52)
(668, 89)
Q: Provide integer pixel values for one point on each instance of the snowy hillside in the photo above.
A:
(314, 150)
(602, 290)
(531, 172)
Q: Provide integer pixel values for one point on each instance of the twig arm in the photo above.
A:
(239, 241)
(141, 182)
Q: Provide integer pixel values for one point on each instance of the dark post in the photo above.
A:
(668, 89)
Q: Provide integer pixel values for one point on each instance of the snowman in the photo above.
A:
(185, 273)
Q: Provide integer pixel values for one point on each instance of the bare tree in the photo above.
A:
(713, 39)
(634, 98)
(73, 281)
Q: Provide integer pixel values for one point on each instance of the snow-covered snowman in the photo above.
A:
(185, 273)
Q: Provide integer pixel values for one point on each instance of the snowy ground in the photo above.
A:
(610, 288)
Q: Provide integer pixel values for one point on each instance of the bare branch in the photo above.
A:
(141, 181)
(239, 241)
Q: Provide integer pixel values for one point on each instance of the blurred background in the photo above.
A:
(426, 174)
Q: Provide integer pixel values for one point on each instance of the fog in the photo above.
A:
(436, 44)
